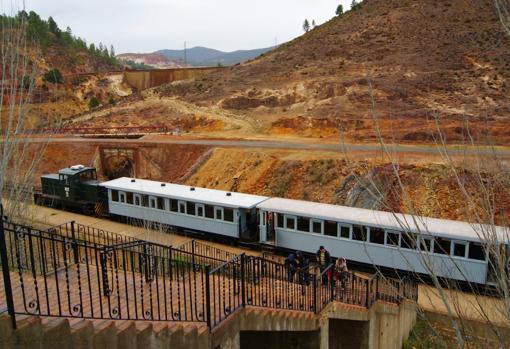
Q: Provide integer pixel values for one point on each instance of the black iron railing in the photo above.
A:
(206, 253)
(77, 271)
(272, 285)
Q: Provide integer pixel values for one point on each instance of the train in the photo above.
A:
(452, 250)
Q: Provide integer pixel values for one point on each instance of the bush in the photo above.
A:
(93, 103)
(339, 10)
(53, 76)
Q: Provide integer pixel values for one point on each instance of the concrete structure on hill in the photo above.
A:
(144, 79)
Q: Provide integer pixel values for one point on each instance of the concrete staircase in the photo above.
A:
(60, 333)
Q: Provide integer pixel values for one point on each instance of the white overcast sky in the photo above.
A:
(150, 25)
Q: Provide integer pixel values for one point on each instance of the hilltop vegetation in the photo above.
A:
(50, 47)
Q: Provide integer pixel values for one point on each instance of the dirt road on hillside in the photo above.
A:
(236, 143)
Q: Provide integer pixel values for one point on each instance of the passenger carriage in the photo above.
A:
(227, 214)
(447, 248)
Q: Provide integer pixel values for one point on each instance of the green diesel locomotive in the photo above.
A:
(75, 188)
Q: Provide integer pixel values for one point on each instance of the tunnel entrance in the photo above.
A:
(118, 162)
(348, 334)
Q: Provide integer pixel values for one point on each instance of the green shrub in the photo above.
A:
(53, 76)
(94, 102)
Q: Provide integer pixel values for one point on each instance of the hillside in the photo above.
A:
(414, 60)
(203, 56)
(66, 71)
(148, 60)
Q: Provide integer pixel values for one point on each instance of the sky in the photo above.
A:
(142, 26)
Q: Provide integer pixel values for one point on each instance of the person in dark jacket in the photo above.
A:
(323, 260)
(304, 265)
(292, 265)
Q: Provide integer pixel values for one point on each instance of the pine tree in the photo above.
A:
(354, 5)
(112, 52)
(313, 23)
(339, 10)
(52, 26)
(306, 26)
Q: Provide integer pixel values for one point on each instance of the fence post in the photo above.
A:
(331, 286)
(315, 293)
(377, 287)
(367, 289)
(74, 244)
(5, 270)
(193, 254)
(104, 273)
(208, 296)
(243, 271)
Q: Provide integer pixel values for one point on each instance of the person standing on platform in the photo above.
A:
(324, 260)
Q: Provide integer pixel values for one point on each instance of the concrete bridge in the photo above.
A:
(144, 79)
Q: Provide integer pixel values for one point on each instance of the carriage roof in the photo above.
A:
(388, 220)
(184, 192)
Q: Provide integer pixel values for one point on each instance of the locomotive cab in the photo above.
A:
(73, 187)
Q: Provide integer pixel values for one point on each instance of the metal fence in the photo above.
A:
(82, 272)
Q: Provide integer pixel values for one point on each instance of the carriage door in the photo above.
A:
(263, 226)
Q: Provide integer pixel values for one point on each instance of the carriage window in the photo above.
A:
(459, 249)
(219, 213)
(330, 228)
(129, 198)
(152, 202)
(209, 211)
(425, 244)
(65, 179)
(137, 200)
(290, 223)
(408, 241)
(122, 197)
(345, 231)
(442, 246)
(174, 207)
(359, 233)
(115, 195)
(182, 207)
(161, 204)
(279, 218)
(377, 236)
(392, 238)
(190, 206)
(317, 227)
(200, 210)
(476, 251)
(303, 224)
(228, 214)
(145, 200)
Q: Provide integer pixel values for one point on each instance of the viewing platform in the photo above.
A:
(86, 280)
